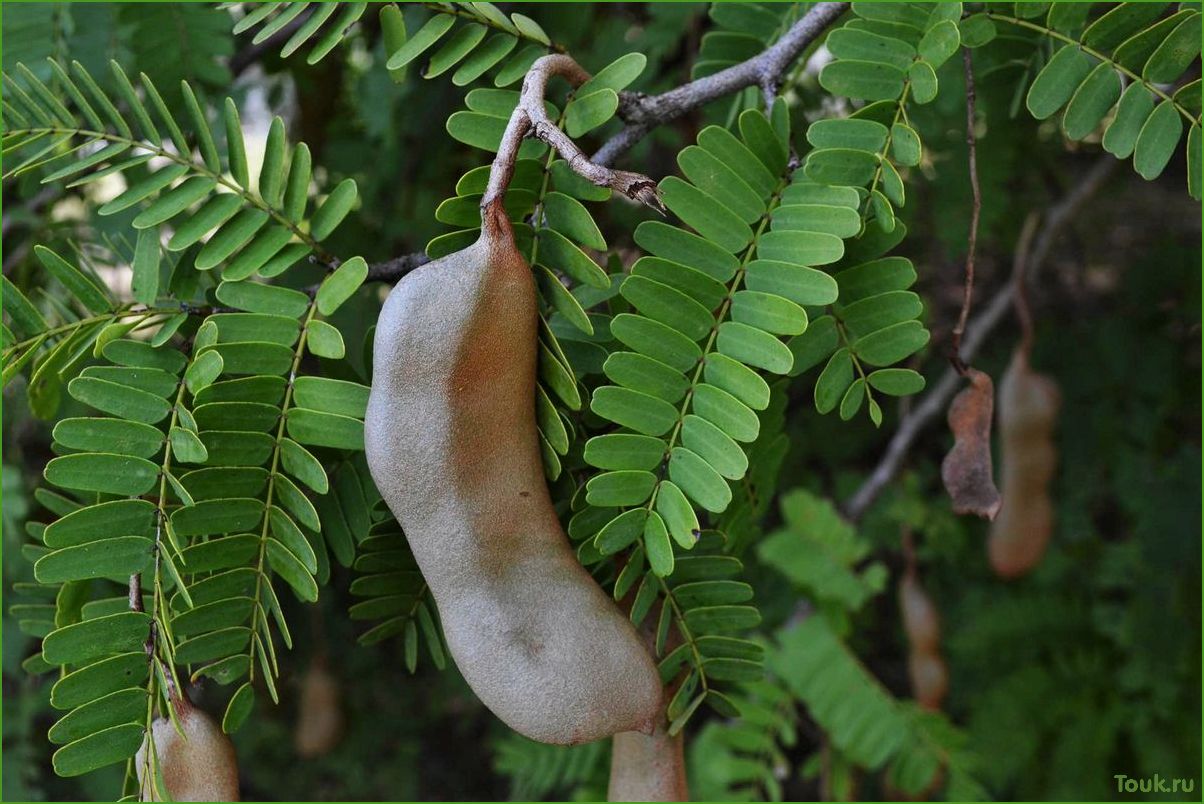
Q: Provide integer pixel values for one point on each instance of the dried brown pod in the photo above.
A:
(1028, 410)
(198, 760)
(966, 470)
(319, 712)
(452, 443)
(647, 767)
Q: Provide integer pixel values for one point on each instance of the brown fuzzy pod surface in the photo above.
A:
(966, 470)
(199, 765)
(647, 767)
(1028, 409)
(452, 444)
(319, 713)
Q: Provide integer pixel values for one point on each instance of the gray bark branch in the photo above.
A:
(642, 113)
(937, 399)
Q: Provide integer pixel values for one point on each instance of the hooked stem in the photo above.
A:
(530, 119)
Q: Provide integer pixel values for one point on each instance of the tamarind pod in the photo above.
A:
(1028, 409)
(320, 713)
(199, 765)
(966, 470)
(929, 678)
(921, 621)
(452, 444)
(647, 767)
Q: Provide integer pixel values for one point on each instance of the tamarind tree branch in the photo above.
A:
(642, 113)
(530, 117)
(936, 400)
(396, 268)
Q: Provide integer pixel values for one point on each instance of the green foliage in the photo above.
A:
(1090, 62)
(206, 416)
(745, 759)
(709, 309)
(390, 586)
(537, 770)
(272, 18)
(258, 229)
(204, 428)
(888, 55)
(484, 38)
(865, 723)
(822, 555)
(176, 42)
(741, 31)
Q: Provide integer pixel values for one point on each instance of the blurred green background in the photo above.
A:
(1087, 668)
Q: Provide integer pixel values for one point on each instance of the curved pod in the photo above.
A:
(1028, 410)
(920, 618)
(452, 444)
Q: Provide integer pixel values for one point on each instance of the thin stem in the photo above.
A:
(900, 112)
(955, 347)
(152, 645)
(258, 610)
(720, 313)
(530, 117)
(933, 404)
(642, 113)
(136, 592)
(680, 618)
(83, 322)
(1024, 314)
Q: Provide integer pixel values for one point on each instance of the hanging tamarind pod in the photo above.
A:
(319, 712)
(452, 444)
(1028, 409)
(921, 622)
(922, 625)
(647, 767)
(197, 761)
(966, 470)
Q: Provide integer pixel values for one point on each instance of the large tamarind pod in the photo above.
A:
(1028, 409)
(452, 444)
(921, 621)
(198, 765)
(319, 713)
(929, 678)
(647, 767)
